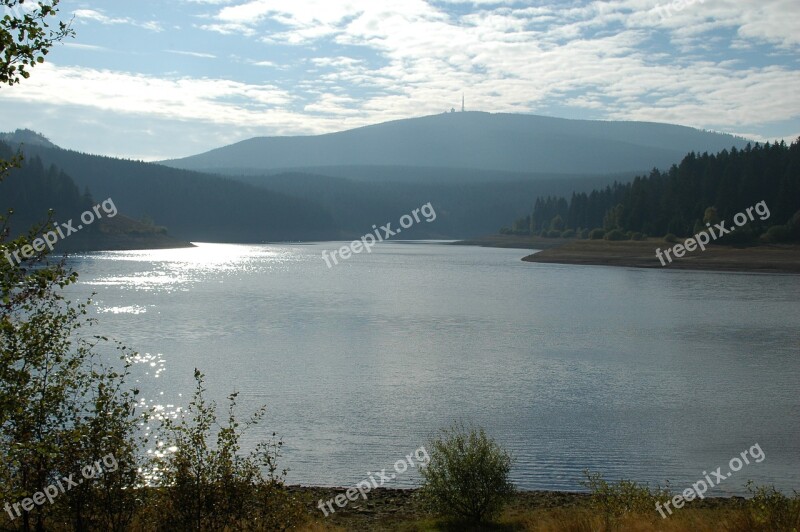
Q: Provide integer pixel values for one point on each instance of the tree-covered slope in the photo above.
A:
(194, 206)
(683, 199)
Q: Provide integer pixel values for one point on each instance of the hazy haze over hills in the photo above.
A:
(474, 140)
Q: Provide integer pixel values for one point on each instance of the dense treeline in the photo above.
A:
(33, 189)
(193, 206)
(701, 189)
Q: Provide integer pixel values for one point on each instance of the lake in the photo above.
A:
(651, 375)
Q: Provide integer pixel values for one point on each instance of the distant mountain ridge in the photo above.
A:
(479, 170)
(475, 141)
(26, 137)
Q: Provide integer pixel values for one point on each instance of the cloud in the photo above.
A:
(192, 54)
(201, 99)
(330, 65)
(99, 17)
(80, 46)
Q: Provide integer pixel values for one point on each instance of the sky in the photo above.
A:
(158, 79)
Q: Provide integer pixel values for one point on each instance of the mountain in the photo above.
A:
(193, 206)
(477, 169)
(26, 137)
(476, 141)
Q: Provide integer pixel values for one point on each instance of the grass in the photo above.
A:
(540, 511)
(398, 510)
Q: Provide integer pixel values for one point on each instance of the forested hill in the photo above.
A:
(702, 188)
(33, 189)
(193, 206)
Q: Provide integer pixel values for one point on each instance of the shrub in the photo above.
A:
(770, 510)
(569, 233)
(615, 235)
(745, 235)
(467, 476)
(597, 234)
(65, 403)
(584, 234)
(623, 498)
(794, 226)
(555, 233)
(670, 238)
(777, 233)
(213, 487)
(638, 237)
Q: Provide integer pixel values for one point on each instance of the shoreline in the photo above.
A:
(762, 258)
(396, 508)
(512, 242)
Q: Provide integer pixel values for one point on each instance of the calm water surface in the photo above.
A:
(652, 375)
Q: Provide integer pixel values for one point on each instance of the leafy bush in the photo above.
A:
(213, 487)
(670, 238)
(623, 498)
(63, 406)
(745, 235)
(584, 234)
(555, 233)
(467, 476)
(597, 234)
(638, 236)
(569, 233)
(794, 226)
(615, 235)
(770, 510)
(557, 223)
(777, 233)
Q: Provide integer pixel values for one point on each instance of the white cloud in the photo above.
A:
(332, 65)
(98, 16)
(80, 46)
(203, 99)
(202, 55)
